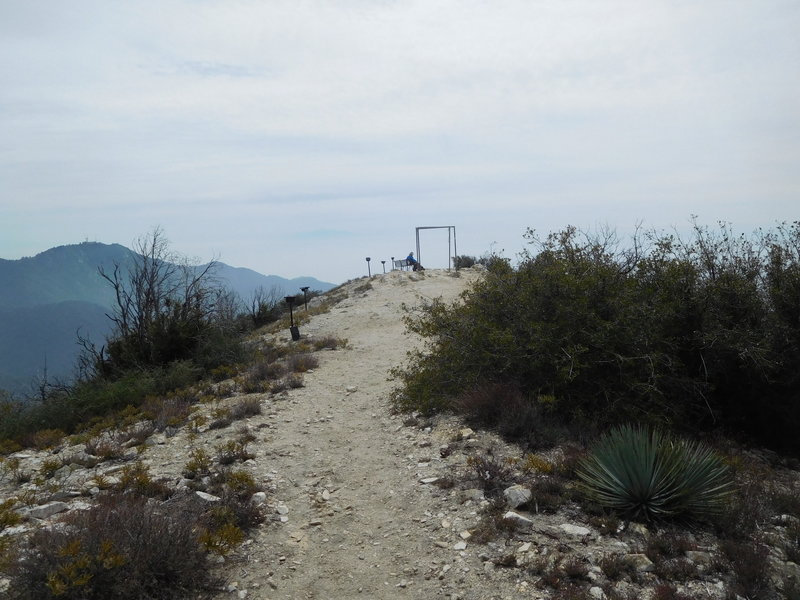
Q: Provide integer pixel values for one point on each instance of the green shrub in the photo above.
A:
(503, 407)
(647, 474)
(199, 463)
(231, 451)
(124, 548)
(696, 334)
(136, 479)
(8, 517)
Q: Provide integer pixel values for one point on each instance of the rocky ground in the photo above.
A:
(355, 493)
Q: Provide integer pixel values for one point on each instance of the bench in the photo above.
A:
(401, 264)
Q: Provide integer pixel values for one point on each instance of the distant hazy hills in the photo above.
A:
(46, 299)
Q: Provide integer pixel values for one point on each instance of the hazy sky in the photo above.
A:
(297, 137)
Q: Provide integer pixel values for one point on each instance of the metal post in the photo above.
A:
(383, 262)
(455, 246)
(369, 271)
(305, 297)
(292, 329)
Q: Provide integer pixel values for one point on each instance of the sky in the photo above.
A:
(298, 137)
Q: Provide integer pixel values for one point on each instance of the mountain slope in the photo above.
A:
(46, 299)
(44, 337)
(60, 274)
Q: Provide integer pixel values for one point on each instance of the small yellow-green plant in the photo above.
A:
(199, 463)
(8, 516)
(241, 483)
(9, 447)
(534, 462)
(136, 478)
(198, 420)
(79, 567)
(12, 467)
(49, 467)
(223, 372)
(223, 539)
(28, 497)
(101, 481)
(47, 438)
(231, 451)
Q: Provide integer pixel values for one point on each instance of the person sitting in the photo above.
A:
(414, 262)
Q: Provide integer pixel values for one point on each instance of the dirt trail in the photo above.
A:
(358, 522)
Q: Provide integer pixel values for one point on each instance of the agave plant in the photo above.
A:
(648, 474)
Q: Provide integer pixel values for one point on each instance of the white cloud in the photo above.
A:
(314, 116)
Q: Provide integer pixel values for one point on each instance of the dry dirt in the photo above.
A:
(359, 523)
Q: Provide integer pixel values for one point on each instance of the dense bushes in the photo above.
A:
(692, 334)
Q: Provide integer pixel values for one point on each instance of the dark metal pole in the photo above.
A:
(292, 329)
(305, 297)
(383, 262)
(369, 271)
(290, 302)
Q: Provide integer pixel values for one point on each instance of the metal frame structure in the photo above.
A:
(451, 235)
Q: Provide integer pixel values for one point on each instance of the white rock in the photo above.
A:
(640, 562)
(474, 494)
(427, 480)
(517, 495)
(207, 497)
(596, 593)
(460, 546)
(524, 548)
(465, 535)
(517, 518)
(574, 529)
(466, 433)
(15, 530)
(326, 495)
(699, 557)
(21, 455)
(351, 388)
(47, 510)
(259, 498)
(282, 509)
(638, 529)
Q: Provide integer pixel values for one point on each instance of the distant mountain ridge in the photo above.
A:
(47, 298)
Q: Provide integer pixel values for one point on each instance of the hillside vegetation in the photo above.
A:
(699, 335)
(171, 325)
(240, 481)
(46, 299)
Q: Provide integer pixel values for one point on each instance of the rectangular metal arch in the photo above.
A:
(451, 232)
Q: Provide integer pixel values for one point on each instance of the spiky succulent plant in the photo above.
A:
(649, 474)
